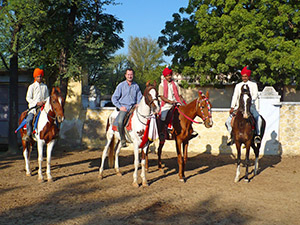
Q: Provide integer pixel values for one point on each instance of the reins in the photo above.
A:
(201, 108)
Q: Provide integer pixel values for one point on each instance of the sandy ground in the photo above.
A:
(209, 195)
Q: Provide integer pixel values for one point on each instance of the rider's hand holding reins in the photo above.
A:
(231, 111)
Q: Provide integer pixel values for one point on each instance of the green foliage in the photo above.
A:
(68, 37)
(146, 58)
(106, 77)
(227, 35)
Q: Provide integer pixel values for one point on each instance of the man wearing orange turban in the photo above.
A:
(36, 96)
(245, 73)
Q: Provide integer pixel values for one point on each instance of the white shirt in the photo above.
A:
(36, 92)
(237, 93)
(171, 95)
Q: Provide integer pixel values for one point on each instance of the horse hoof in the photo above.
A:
(119, 174)
(181, 179)
(247, 180)
(28, 174)
(41, 180)
(135, 184)
(100, 176)
(50, 180)
(145, 184)
(162, 170)
(236, 180)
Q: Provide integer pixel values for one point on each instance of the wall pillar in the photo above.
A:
(269, 108)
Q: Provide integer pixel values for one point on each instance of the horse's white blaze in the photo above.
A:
(245, 98)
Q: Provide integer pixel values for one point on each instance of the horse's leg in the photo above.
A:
(49, 152)
(143, 162)
(159, 150)
(136, 165)
(26, 154)
(248, 143)
(104, 155)
(179, 159)
(238, 148)
(256, 152)
(40, 145)
(118, 146)
(185, 154)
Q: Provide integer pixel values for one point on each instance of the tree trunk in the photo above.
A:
(13, 105)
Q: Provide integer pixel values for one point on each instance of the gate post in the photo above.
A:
(269, 108)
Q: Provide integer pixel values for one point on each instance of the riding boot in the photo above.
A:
(193, 135)
(230, 140)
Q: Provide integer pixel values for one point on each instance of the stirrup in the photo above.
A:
(123, 143)
(257, 140)
(230, 142)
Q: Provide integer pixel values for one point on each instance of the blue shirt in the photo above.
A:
(126, 95)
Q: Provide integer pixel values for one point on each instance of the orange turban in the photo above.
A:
(38, 72)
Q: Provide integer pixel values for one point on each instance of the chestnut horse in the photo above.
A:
(183, 118)
(148, 106)
(47, 131)
(243, 131)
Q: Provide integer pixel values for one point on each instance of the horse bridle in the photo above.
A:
(198, 104)
(149, 103)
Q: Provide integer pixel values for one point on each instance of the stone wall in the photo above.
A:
(289, 131)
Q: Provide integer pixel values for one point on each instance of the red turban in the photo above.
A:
(246, 71)
(38, 72)
(167, 71)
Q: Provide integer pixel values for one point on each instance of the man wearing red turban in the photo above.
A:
(246, 73)
(169, 93)
(36, 96)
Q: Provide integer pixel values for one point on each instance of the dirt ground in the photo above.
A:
(209, 196)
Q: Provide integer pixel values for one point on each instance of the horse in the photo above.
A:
(183, 117)
(47, 131)
(243, 130)
(149, 105)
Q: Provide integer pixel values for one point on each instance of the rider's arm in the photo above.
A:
(116, 96)
(30, 97)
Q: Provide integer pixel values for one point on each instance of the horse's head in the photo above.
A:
(245, 101)
(151, 98)
(203, 109)
(57, 103)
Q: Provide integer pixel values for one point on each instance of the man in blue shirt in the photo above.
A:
(126, 95)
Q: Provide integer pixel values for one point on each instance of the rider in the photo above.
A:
(126, 95)
(36, 96)
(170, 94)
(246, 73)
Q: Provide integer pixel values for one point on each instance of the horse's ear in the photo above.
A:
(207, 94)
(154, 83)
(53, 91)
(148, 82)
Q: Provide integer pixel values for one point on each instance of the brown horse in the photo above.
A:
(243, 131)
(183, 118)
(47, 132)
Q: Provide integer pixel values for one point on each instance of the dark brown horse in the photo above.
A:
(243, 131)
(46, 133)
(183, 118)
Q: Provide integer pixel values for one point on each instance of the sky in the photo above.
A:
(144, 18)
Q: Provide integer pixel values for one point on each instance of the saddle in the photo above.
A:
(127, 121)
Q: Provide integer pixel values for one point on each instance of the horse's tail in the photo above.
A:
(111, 152)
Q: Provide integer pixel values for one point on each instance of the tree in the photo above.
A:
(15, 18)
(107, 76)
(232, 34)
(145, 56)
(69, 37)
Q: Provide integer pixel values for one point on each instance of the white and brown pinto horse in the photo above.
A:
(149, 105)
(46, 133)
